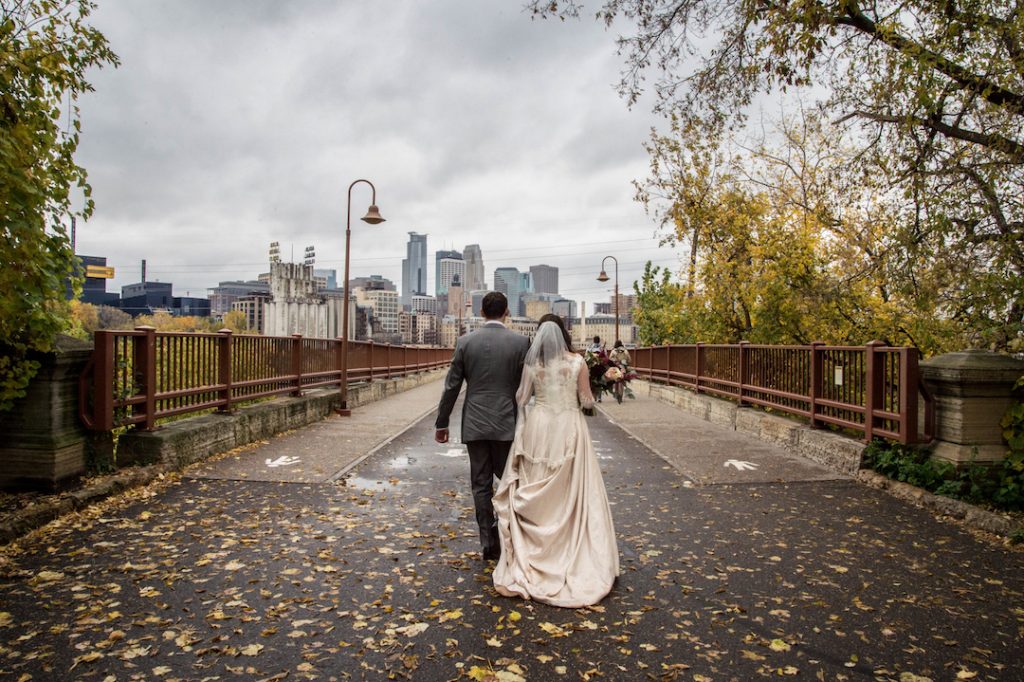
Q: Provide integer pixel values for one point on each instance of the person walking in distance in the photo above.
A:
(490, 361)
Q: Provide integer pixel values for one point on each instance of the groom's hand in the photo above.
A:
(441, 435)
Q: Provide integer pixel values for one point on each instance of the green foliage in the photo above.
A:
(1013, 428)
(46, 48)
(1000, 486)
(658, 314)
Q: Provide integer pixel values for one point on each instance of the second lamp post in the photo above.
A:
(603, 277)
(372, 217)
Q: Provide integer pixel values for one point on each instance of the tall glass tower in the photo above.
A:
(509, 281)
(414, 268)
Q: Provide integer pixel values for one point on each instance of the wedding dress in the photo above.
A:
(557, 537)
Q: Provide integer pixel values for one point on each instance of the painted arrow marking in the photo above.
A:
(740, 465)
(282, 461)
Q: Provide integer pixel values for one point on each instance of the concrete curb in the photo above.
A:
(976, 517)
(38, 514)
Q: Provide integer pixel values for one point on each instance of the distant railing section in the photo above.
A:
(874, 390)
(137, 377)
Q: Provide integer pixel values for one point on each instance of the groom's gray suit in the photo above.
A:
(490, 361)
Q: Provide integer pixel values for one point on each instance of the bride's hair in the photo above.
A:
(548, 344)
(551, 317)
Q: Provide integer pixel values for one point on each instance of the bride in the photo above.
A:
(557, 536)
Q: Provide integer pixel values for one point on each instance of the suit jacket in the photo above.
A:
(490, 361)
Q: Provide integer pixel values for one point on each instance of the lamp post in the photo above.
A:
(603, 277)
(372, 217)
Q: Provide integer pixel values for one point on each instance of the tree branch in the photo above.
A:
(1012, 148)
(981, 86)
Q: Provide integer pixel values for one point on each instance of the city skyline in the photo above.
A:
(598, 292)
(234, 124)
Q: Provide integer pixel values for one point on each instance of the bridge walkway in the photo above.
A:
(347, 550)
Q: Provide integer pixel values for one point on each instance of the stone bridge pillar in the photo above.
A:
(972, 390)
(44, 444)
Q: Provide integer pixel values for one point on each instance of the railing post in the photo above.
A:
(103, 380)
(699, 353)
(144, 374)
(814, 387)
(874, 368)
(297, 363)
(405, 360)
(224, 369)
(743, 371)
(370, 362)
(387, 354)
(910, 378)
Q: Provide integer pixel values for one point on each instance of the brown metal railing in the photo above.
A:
(874, 390)
(137, 377)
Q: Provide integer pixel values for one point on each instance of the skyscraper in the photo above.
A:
(509, 281)
(544, 279)
(447, 265)
(414, 268)
(474, 268)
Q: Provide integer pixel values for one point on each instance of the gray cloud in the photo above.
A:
(235, 123)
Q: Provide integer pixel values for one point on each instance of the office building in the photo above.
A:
(564, 308)
(544, 279)
(326, 279)
(449, 267)
(251, 305)
(146, 298)
(223, 296)
(536, 308)
(385, 305)
(582, 331)
(509, 281)
(414, 268)
(95, 273)
(475, 277)
(373, 282)
(476, 299)
(425, 304)
(626, 304)
(456, 303)
(418, 328)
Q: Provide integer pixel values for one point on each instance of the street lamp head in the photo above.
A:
(603, 277)
(373, 216)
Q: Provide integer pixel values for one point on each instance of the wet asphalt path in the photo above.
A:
(378, 576)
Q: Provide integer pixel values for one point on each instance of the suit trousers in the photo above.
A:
(486, 460)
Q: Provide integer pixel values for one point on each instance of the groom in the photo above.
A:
(490, 360)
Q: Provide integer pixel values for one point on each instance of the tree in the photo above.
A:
(794, 247)
(657, 312)
(236, 321)
(46, 48)
(114, 318)
(931, 92)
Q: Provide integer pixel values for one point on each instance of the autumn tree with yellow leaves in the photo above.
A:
(914, 200)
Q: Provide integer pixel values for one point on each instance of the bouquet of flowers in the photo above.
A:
(606, 375)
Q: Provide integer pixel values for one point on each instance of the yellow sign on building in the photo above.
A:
(99, 272)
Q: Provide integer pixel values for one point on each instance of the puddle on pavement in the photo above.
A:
(371, 484)
(402, 462)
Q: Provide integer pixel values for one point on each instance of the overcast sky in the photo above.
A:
(234, 123)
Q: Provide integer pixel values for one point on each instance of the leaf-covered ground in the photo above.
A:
(381, 578)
